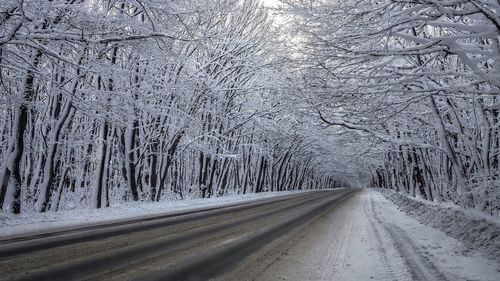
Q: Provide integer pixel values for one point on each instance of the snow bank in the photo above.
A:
(475, 231)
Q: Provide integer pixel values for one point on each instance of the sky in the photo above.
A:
(270, 3)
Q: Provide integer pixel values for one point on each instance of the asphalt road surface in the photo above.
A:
(195, 245)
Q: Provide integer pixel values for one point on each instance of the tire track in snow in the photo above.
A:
(336, 252)
(419, 265)
(393, 262)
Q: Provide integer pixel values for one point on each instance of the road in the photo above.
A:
(364, 238)
(194, 245)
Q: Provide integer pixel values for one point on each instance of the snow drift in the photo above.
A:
(476, 232)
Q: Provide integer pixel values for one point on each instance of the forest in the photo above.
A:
(111, 101)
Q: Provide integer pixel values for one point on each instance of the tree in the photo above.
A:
(105, 102)
(419, 76)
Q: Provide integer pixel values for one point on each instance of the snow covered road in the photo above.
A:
(327, 235)
(196, 244)
(366, 238)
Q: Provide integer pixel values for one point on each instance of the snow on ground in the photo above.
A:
(477, 231)
(11, 224)
(368, 238)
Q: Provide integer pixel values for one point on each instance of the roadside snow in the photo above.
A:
(11, 224)
(475, 230)
(368, 238)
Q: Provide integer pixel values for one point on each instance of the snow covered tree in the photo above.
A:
(110, 101)
(421, 77)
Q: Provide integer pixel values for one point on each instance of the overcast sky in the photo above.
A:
(270, 2)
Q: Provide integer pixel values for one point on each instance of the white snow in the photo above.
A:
(476, 230)
(370, 239)
(27, 222)
(472, 213)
